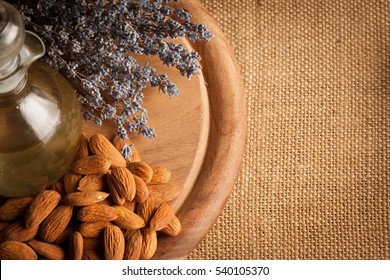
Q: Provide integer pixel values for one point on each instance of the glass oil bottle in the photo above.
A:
(40, 120)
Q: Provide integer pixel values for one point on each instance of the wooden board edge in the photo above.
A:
(227, 138)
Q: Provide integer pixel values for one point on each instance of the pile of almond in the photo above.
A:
(104, 207)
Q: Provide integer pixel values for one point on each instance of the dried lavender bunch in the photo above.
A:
(90, 42)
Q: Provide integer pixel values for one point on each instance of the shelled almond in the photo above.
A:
(104, 207)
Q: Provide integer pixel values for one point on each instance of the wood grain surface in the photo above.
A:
(200, 135)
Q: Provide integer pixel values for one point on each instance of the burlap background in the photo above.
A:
(314, 183)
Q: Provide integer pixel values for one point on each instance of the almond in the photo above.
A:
(142, 191)
(93, 229)
(141, 169)
(116, 197)
(76, 246)
(92, 255)
(162, 216)
(133, 245)
(59, 187)
(135, 156)
(15, 250)
(18, 232)
(114, 243)
(92, 182)
(164, 192)
(173, 228)
(14, 208)
(149, 244)
(100, 145)
(128, 219)
(83, 148)
(3, 225)
(108, 201)
(71, 181)
(94, 243)
(47, 250)
(161, 175)
(85, 198)
(91, 165)
(52, 227)
(146, 209)
(64, 236)
(41, 206)
(97, 213)
(130, 205)
(123, 181)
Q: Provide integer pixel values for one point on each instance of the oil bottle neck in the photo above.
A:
(32, 49)
(13, 83)
(18, 49)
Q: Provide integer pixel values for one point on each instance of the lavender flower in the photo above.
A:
(89, 42)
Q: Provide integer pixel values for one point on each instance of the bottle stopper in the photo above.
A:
(11, 38)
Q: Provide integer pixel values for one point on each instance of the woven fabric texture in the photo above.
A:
(314, 182)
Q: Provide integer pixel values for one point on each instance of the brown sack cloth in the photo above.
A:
(314, 183)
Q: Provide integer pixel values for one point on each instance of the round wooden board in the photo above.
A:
(200, 135)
